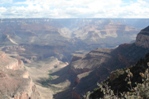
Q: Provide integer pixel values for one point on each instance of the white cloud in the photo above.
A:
(75, 8)
(2, 9)
(6, 1)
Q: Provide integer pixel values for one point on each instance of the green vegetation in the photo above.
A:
(45, 82)
(128, 83)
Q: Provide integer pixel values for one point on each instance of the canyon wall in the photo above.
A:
(15, 82)
(143, 38)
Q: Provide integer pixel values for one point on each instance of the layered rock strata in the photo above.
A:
(15, 82)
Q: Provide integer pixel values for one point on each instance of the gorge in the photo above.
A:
(65, 58)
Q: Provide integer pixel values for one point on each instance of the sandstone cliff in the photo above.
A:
(15, 82)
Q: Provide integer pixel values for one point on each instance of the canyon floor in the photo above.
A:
(43, 71)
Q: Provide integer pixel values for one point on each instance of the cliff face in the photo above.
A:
(100, 62)
(89, 61)
(15, 82)
(143, 38)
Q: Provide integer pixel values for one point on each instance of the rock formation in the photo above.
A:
(15, 82)
(143, 38)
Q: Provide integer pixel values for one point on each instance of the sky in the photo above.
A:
(74, 9)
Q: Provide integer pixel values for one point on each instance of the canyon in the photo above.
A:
(65, 58)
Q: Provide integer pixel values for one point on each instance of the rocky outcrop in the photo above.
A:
(143, 38)
(15, 82)
(89, 61)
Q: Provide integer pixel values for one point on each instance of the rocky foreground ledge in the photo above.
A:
(15, 82)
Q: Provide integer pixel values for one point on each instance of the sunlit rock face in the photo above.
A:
(143, 38)
(15, 82)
